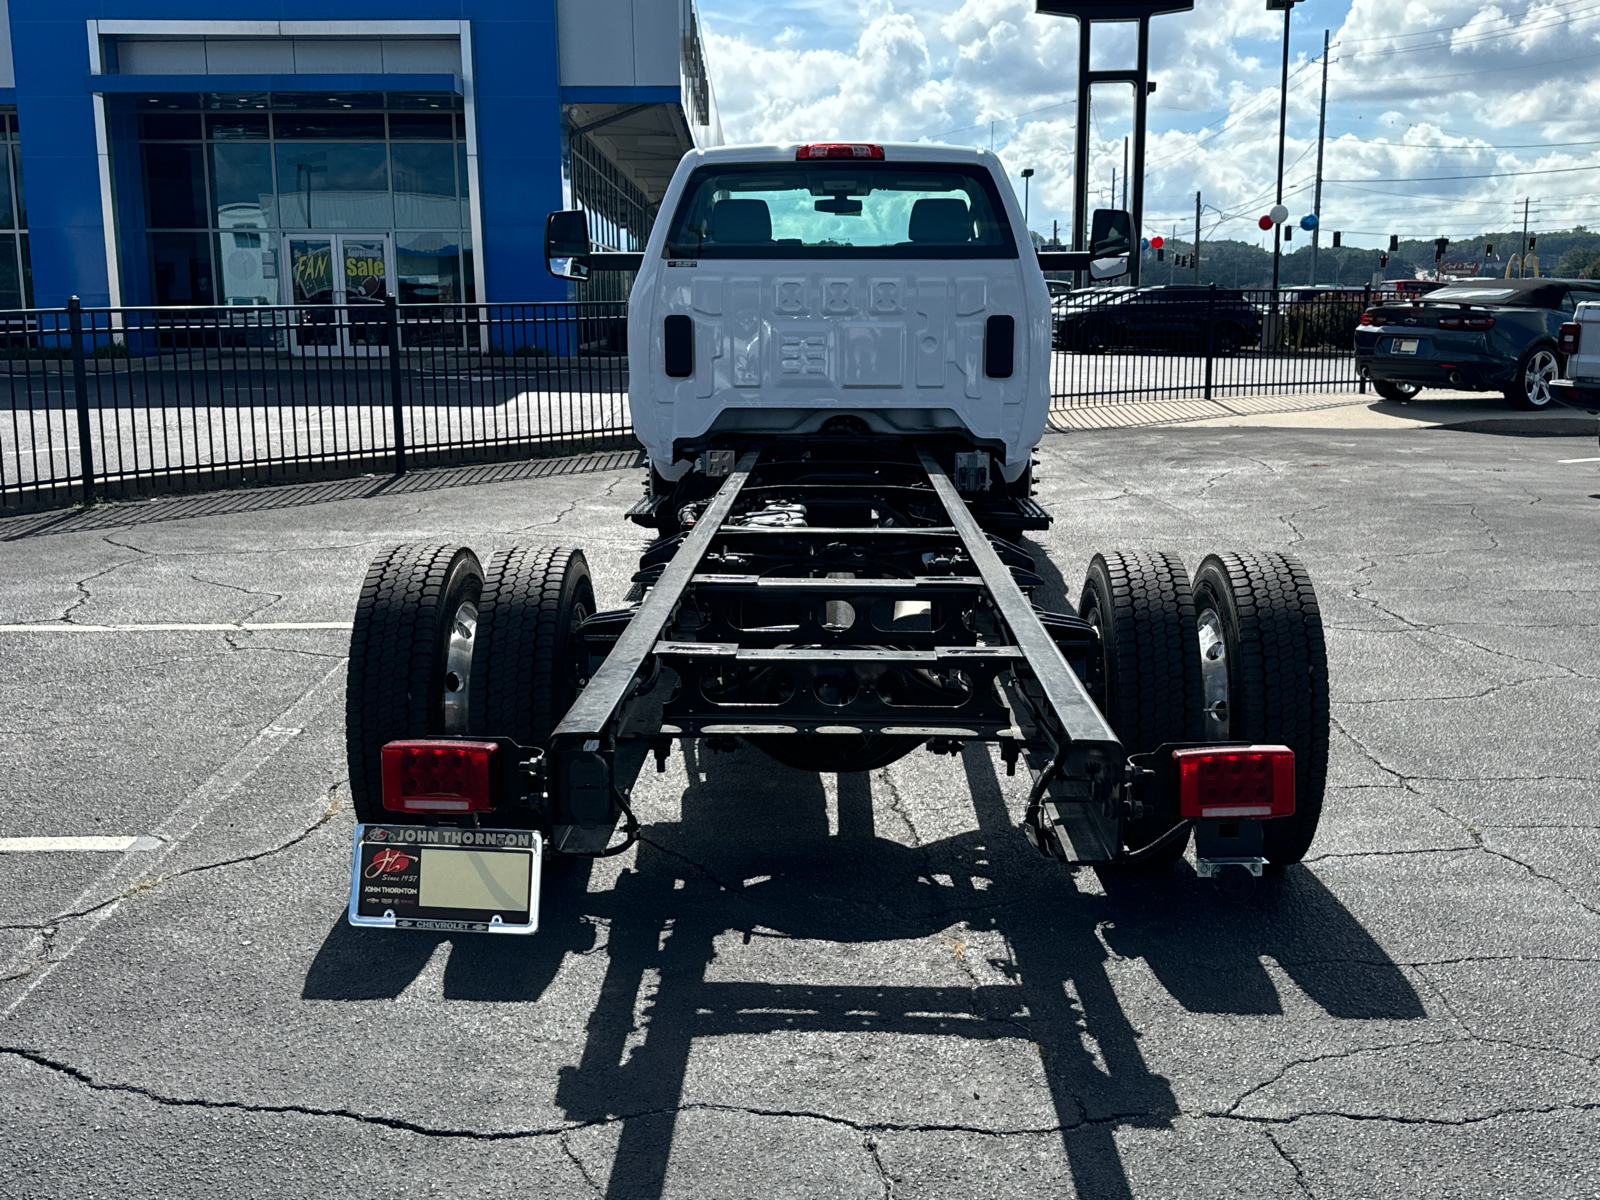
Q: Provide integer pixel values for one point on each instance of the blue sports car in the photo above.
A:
(1480, 335)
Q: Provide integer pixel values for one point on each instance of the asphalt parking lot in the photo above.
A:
(863, 985)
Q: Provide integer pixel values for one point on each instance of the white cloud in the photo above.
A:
(1424, 90)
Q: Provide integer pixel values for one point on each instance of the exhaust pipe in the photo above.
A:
(1454, 377)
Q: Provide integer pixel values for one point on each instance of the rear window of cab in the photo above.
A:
(840, 210)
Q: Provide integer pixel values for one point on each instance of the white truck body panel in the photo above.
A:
(1585, 364)
(783, 344)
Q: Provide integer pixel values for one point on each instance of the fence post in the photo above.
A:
(391, 312)
(80, 388)
(1211, 346)
(1361, 380)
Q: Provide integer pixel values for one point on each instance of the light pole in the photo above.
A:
(1027, 176)
(1283, 118)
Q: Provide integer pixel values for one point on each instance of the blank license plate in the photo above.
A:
(450, 880)
(1404, 346)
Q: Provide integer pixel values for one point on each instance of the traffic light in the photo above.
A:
(1440, 245)
(1488, 249)
(1533, 240)
(1336, 239)
(1288, 231)
(1383, 260)
(1161, 253)
(1394, 243)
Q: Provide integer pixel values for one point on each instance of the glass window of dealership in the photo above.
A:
(329, 152)
(305, 198)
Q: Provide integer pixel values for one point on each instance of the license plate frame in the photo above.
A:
(473, 879)
(1405, 346)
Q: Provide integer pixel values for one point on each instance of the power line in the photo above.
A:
(1487, 175)
(1251, 108)
(1554, 62)
(1384, 37)
(1488, 36)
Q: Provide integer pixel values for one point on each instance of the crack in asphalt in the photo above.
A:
(870, 1145)
(1438, 629)
(866, 1128)
(572, 1156)
(1472, 830)
(1389, 1118)
(897, 806)
(50, 929)
(559, 1131)
(274, 597)
(1299, 1175)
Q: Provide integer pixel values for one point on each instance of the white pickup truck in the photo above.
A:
(839, 360)
(1580, 346)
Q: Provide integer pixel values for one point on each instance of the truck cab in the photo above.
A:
(889, 288)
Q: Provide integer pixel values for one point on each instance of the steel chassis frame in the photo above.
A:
(916, 625)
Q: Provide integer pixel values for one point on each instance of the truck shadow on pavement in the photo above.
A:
(754, 855)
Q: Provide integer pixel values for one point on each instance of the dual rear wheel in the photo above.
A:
(439, 646)
(1235, 655)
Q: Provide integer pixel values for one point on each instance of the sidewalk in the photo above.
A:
(1324, 410)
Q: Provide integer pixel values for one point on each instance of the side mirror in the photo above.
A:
(566, 244)
(1110, 243)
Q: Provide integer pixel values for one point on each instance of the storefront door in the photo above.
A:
(343, 279)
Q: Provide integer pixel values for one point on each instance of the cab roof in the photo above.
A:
(784, 152)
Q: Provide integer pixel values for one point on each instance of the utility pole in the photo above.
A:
(1112, 199)
(1124, 177)
(1522, 263)
(1322, 129)
(1027, 180)
(1197, 237)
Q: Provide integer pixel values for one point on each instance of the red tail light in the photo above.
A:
(838, 150)
(1571, 337)
(1466, 322)
(1253, 782)
(1369, 319)
(438, 776)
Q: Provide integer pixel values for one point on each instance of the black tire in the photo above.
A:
(1530, 386)
(1276, 676)
(527, 669)
(1395, 390)
(1227, 339)
(396, 686)
(1148, 681)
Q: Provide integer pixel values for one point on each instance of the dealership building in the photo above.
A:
(315, 152)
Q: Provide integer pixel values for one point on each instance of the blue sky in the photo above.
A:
(1443, 114)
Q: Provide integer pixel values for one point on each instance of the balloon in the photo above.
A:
(1308, 222)
(1156, 243)
(1265, 222)
(1279, 214)
(1144, 243)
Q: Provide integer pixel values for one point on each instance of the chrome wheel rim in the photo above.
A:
(458, 666)
(1542, 368)
(1214, 676)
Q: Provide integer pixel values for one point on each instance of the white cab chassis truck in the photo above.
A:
(1579, 345)
(839, 369)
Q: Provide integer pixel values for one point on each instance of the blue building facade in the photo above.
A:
(330, 151)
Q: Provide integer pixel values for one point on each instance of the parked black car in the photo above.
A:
(1170, 317)
(1481, 335)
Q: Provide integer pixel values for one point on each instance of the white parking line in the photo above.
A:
(119, 879)
(56, 845)
(1565, 461)
(195, 627)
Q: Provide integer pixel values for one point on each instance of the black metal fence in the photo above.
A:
(1172, 343)
(125, 401)
(112, 402)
